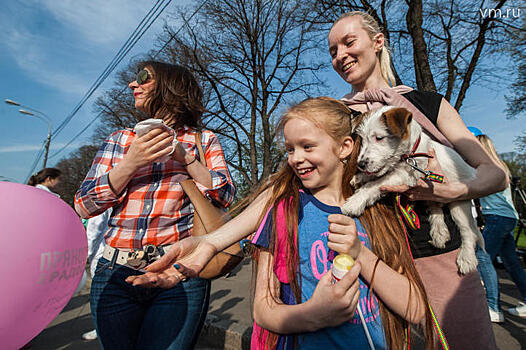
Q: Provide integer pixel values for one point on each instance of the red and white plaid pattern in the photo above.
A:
(153, 208)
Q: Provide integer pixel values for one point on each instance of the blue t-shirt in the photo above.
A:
(315, 260)
(499, 203)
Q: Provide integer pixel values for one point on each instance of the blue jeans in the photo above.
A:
(128, 317)
(489, 276)
(498, 237)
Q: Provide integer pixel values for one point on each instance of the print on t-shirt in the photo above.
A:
(315, 260)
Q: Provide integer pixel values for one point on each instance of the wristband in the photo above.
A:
(187, 164)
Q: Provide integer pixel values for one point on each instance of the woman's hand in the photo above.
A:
(342, 235)
(444, 192)
(180, 155)
(149, 147)
(333, 304)
(191, 255)
(143, 151)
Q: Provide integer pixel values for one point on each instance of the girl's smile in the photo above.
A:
(305, 173)
(313, 155)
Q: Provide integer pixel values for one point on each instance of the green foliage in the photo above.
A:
(521, 243)
(517, 163)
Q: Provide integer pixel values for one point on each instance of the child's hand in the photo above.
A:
(334, 304)
(342, 235)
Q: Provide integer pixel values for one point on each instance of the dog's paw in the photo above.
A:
(439, 237)
(466, 260)
(353, 208)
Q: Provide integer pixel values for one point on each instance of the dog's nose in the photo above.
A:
(362, 164)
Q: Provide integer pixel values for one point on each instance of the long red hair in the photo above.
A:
(386, 238)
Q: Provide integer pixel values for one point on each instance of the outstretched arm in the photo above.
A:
(193, 253)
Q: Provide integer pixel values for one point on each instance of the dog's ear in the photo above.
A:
(397, 121)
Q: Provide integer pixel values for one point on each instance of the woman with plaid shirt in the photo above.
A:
(138, 176)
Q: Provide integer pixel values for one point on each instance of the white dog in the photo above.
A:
(388, 142)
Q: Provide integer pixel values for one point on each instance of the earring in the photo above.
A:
(344, 161)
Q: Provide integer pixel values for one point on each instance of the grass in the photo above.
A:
(522, 239)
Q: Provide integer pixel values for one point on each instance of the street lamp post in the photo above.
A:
(50, 130)
(38, 114)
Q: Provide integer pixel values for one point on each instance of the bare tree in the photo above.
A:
(516, 99)
(440, 45)
(470, 39)
(74, 169)
(252, 57)
(423, 75)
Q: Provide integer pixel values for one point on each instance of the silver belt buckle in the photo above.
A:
(139, 259)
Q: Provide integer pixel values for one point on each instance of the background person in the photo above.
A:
(96, 227)
(151, 212)
(485, 266)
(500, 219)
(46, 179)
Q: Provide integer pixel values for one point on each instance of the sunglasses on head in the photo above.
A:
(142, 77)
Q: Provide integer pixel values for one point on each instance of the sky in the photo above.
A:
(51, 52)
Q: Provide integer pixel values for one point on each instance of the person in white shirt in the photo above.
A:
(46, 179)
(95, 230)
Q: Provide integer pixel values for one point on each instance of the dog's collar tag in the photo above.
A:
(411, 161)
(431, 176)
(428, 175)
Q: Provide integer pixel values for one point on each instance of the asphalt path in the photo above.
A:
(229, 323)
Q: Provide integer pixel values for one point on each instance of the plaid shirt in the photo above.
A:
(153, 208)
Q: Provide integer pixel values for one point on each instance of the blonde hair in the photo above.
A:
(372, 28)
(490, 148)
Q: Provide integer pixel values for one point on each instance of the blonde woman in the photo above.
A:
(360, 55)
(500, 219)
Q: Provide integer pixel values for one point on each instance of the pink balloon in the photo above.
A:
(42, 258)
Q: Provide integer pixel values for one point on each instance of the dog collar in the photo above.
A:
(413, 153)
